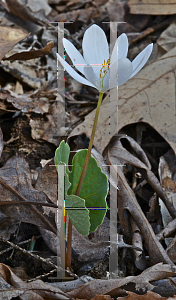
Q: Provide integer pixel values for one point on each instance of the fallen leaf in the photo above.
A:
(13, 293)
(30, 10)
(1, 142)
(95, 287)
(116, 154)
(140, 260)
(27, 103)
(16, 174)
(166, 170)
(142, 281)
(9, 38)
(154, 212)
(114, 10)
(171, 250)
(83, 15)
(8, 226)
(152, 7)
(72, 284)
(101, 297)
(24, 72)
(41, 127)
(37, 290)
(26, 55)
(148, 296)
(167, 39)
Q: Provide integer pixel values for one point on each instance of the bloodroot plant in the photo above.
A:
(86, 186)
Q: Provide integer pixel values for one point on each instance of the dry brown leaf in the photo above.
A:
(26, 55)
(74, 3)
(31, 10)
(9, 38)
(154, 211)
(16, 174)
(116, 154)
(41, 127)
(167, 39)
(95, 287)
(148, 296)
(168, 230)
(101, 297)
(7, 226)
(1, 142)
(37, 290)
(100, 2)
(152, 7)
(167, 167)
(171, 250)
(83, 15)
(140, 260)
(23, 72)
(148, 97)
(13, 293)
(142, 281)
(28, 102)
(4, 108)
(114, 10)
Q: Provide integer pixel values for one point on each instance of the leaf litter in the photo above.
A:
(15, 172)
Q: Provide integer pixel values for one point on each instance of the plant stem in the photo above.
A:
(69, 237)
(90, 146)
(69, 240)
(62, 241)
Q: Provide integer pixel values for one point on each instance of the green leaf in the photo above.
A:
(94, 188)
(80, 216)
(62, 155)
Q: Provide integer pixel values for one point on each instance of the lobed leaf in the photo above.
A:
(94, 188)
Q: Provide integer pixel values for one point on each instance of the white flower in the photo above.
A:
(95, 62)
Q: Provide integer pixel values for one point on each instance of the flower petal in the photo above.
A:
(122, 42)
(124, 72)
(76, 57)
(73, 73)
(122, 46)
(89, 74)
(115, 53)
(95, 48)
(141, 59)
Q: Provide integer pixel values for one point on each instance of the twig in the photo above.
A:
(21, 243)
(41, 276)
(29, 203)
(167, 231)
(38, 257)
(149, 31)
(140, 185)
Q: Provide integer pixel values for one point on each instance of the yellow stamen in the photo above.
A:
(104, 70)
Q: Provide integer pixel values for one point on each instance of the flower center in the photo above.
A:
(103, 71)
